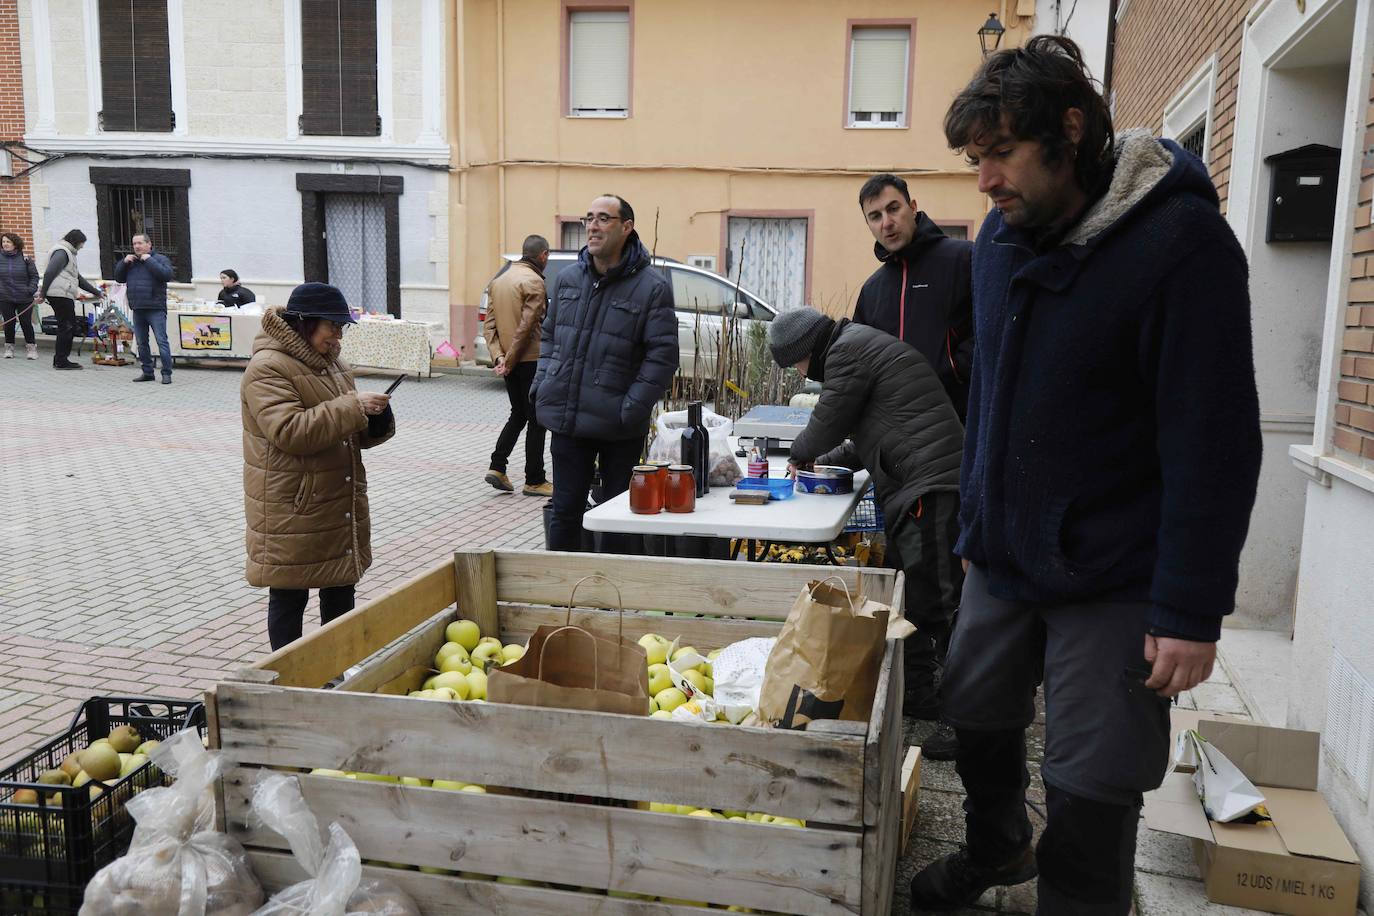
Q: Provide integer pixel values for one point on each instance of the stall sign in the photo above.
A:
(206, 332)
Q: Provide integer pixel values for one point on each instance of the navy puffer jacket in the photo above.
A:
(146, 281)
(18, 277)
(608, 348)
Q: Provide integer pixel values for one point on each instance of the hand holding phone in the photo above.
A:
(396, 384)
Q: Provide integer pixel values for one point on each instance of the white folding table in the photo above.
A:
(806, 518)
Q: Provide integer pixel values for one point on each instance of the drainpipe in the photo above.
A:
(1110, 65)
(501, 125)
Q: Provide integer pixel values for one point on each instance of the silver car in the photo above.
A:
(700, 295)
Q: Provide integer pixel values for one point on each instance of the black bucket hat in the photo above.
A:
(319, 300)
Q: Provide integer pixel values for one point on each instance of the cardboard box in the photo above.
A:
(1300, 864)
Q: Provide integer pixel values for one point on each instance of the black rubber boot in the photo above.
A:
(957, 881)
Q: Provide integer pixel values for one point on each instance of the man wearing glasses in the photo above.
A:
(607, 353)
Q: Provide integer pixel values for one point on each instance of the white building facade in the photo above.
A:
(289, 140)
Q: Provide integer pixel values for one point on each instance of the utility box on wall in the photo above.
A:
(1302, 194)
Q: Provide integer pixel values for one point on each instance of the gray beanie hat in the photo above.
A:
(793, 335)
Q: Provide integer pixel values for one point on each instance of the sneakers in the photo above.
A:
(499, 480)
(145, 378)
(942, 743)
(538, 489)
(166, 380)
(31, 351)
(9, 351)
(956, 881)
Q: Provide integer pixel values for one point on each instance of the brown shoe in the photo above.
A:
(499, 481)
(538, 489)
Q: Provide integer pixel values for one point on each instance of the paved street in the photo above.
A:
(122, 526)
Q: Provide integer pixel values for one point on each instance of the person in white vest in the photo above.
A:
(62, 284)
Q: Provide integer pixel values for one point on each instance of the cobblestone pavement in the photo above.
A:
(122, 526)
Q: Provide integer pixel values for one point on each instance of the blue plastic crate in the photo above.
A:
(867, 515)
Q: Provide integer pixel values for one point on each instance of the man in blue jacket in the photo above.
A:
(145, 274)
(1110, 463)
(607, 353)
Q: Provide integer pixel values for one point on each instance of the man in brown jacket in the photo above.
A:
(516, 305)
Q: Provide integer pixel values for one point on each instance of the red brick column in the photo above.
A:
(15, 212)
(1355, 409)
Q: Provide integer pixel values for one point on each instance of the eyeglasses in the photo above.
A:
(600, 219)
(339, 327)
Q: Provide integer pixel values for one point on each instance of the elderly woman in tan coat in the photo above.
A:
(304, 488)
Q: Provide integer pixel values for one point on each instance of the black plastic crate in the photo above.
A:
(49, 851)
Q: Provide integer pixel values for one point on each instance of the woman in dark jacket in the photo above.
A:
(234, 293)
(18, 284)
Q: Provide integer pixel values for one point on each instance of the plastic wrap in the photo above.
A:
(724, 468)
(336, 886)
(176, 864)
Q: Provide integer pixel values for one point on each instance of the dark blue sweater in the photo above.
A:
(1113, 445)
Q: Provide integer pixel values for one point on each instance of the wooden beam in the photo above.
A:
(794, 774)
(314, 660)
(810, 871)
(474, 577)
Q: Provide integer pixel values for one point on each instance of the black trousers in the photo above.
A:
(521, 418)
(17, 312)
(574, 463)
(286, 610)
(64, 310)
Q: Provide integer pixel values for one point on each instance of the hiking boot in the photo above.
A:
(31, 351)
(145, 378)
(942, 743)
(9, 351)
(166, 380)
(537, 489)
(956, 881)
(499, 480)
(67, 365)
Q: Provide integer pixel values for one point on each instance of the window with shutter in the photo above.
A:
(878, 77)
(339, 68)
(154, 202)
(135, 66)
(599, 63)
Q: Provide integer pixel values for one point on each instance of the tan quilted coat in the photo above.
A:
(304, 488)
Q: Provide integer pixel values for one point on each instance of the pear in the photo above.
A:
(133, 763)
(71, 765)
(54, 778)
(125, 739)
(146, 748)
(101, 761)
(24, 797)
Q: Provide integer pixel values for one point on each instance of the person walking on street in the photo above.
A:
(1110, 466)
(886, 399)
(607, 354)
(922, 292)
(62, 284)
(233, 293)
(145, 274)
(304, 486)
(517, 303)
(18, 288)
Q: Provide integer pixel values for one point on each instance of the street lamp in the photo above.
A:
(990, 35)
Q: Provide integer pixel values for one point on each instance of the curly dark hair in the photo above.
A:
(1026, 91)
(15, 240)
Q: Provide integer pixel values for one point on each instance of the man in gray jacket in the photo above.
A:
(607, 353)
(884, 397)
(145, 274)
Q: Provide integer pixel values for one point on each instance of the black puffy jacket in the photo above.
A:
(936, 317)
(18, 277)
(608, 348)
(884, 395)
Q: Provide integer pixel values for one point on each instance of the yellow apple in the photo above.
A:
(134, 762)
(659, 678)
(413, 781)
(445, 693)
(456, 682)
(449, 784)
(701, 682)
(512, 652)
(447, 649)
(653, 706)
(481, 790)
(459, 663)
(660, 714)
(706, 812)
(670, 699)
(489, 641)
(684, 651)
(655, 647)
(464, 632)
(428, 684)
(336, 774)
(485, 653)
(477, 685)
(146, 748)
(374, 777)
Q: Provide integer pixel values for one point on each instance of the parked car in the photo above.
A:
(700, 295)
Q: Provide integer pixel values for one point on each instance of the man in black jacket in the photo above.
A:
(1110, 466)
(607, 353)
(883, 396)
(921, 293)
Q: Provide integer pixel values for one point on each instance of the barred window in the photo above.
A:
(1193, 140)
(151, 202)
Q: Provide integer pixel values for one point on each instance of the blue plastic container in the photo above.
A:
(777, 487)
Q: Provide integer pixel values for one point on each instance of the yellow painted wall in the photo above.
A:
(735, 106)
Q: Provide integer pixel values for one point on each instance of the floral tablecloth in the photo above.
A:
(395, 344)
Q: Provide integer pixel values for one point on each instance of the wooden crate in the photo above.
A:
(842, 778)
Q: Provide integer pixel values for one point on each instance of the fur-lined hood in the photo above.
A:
(278, 335)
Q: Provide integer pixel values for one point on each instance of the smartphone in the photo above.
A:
(396, 384)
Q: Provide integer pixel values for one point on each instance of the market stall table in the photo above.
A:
(806, 518)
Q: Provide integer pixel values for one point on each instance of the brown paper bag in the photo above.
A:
(571, 667)
(826, 660)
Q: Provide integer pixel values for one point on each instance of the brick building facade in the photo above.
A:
(15, 212)
(1354, 428)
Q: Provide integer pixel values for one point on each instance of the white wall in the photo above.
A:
(247, 215)
(1087, 25)
(1336, 613)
